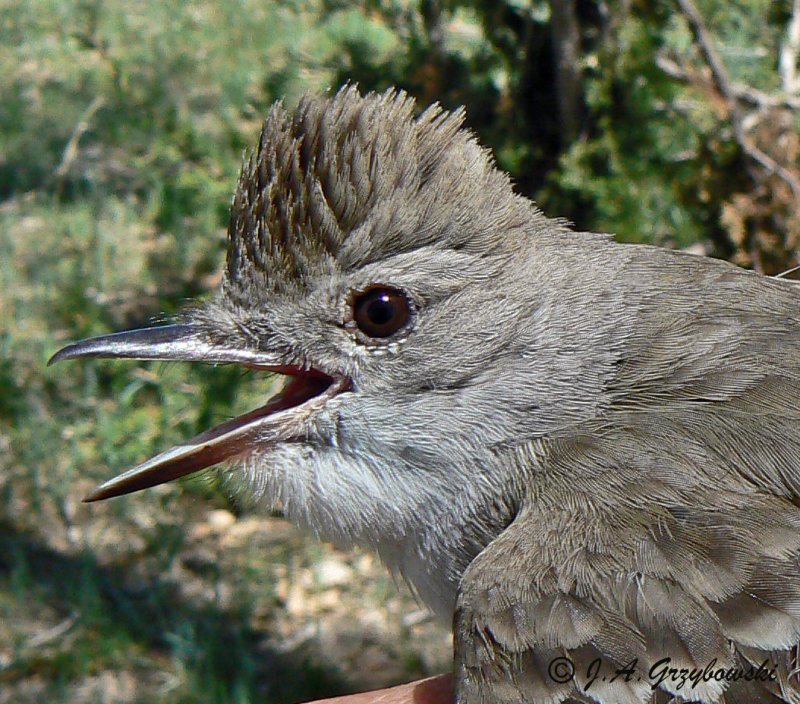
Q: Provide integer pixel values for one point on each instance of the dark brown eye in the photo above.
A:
(381, 311)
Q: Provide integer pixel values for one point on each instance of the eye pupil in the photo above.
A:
(381, 311)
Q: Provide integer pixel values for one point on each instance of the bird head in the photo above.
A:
(381, 262)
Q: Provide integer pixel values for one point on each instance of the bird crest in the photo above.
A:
(345, 180)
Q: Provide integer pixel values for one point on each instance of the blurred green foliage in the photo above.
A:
(122, 127)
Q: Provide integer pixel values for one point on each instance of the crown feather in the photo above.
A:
(350, 179)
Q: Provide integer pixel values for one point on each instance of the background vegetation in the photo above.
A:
(122, 126)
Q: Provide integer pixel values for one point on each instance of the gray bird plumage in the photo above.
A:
(580, 448)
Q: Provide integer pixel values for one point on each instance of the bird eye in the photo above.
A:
(380, 311)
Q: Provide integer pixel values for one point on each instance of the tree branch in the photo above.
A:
(724, 86)
(71, 150)
(566, 53)
(743, 93)
(787, 64)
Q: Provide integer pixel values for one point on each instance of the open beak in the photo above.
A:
(281, 419)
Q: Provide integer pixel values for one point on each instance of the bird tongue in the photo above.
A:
(278, 420)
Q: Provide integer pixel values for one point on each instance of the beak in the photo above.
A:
(182, 343)
(280, 420)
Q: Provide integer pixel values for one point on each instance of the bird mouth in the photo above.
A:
(282, 419)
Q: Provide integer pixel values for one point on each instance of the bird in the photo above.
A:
(583, 453)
